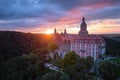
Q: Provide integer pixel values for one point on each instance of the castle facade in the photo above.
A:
(82, 43)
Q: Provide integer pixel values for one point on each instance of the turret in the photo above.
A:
(65, 32)
(55, 31)
(83, 28)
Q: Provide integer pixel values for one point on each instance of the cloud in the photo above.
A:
(43, 8)
(16, 9)
(34, 14)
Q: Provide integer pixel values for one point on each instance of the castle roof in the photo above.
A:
(86, 39)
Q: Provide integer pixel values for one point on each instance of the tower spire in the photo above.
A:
(83, 19)
(83, 28)
(55, 30)
(65, 31)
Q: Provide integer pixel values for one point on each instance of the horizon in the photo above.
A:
(34, 16)
(58, 32)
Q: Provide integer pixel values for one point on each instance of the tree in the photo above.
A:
(80, 65)
(51, 76)
(15, 69)
(64, 77)
(70, 58)
(47, 76)
(17, 43)
(74, 74)
(37, 55)
(56, 75)
(70, 70)
(79, 76)
(32, 57)
(52, 46)
(58, 62)
(83, 65)
(108, 70)
(22, 68)
(89, 62)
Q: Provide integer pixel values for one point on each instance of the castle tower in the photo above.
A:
(55, 31)
(65, 32)
(83, 28)
(55, 35)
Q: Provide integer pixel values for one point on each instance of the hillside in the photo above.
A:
(112, 46)
(17, 43)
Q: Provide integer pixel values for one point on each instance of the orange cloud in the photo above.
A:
(94, 27)
(104, 26)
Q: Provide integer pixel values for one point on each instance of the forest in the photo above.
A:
(22, 58)
(112, 46)
(17, 43)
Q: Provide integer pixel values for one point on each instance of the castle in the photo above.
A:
(82, 43)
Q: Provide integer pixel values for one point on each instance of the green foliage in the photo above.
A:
(109, 70)
(64, 77)
(40, 51)
(89, 62)
(22, 68)
(55, 55)
(79, 76)
(74, 74)
(116, 60)
(52, 46)
(17, 43)
(70, 59)
(48, 76)
(58, 62)
(51, 76)
(42, 54)
(111, 47)
(84, 65)
(80, 65)
(56, 75)
(32, 57)
(70, 70)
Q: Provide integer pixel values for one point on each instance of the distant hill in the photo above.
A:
(116, 38)
(110, 35)
(112, 45)
(17, 43)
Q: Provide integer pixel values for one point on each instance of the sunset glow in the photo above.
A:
(42, 17)
(49, 31)
(59, 39)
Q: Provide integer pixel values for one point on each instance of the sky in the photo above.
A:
(42, 16)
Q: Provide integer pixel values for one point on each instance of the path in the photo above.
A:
(54, 68)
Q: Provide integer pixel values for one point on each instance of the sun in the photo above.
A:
(49, 31)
